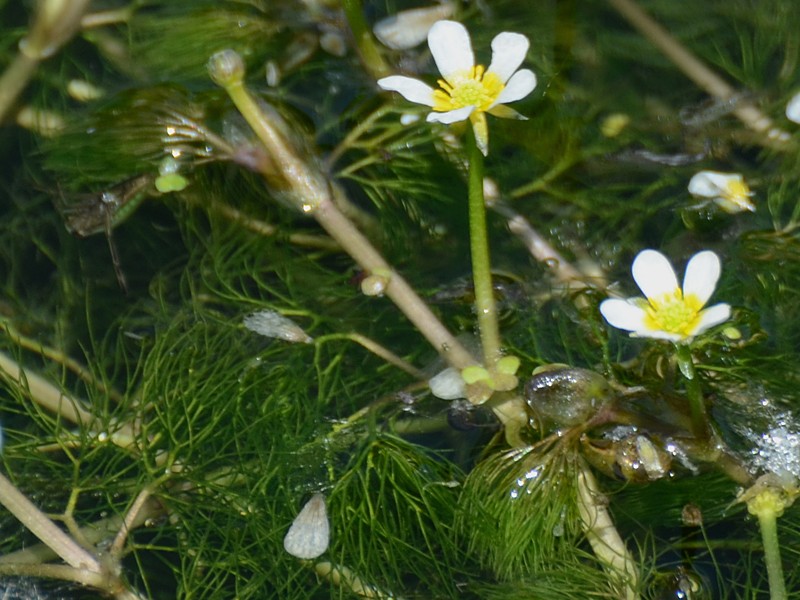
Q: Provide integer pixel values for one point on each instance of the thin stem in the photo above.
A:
(365, 42)
(700, 425)
(307, 240)
(14, 80)
(312, 193)
(45, 394)
(603, 535)
(485, 304)
(54, 23)
(57, 356)
(696, 70)
(37, 523)
(360, 129)
(768, 522)
(540, 249)
(377, 350)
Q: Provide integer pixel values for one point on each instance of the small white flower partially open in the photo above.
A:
(728, 190)
(669, 312)
(793, 108)
(466, 90)
(309, 535)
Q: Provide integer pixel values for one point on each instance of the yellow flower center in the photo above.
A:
(470, 88)
(673, 313)
(736, 191)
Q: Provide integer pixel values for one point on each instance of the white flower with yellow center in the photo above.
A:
(728, 190)
(669, 312)
(467, 90)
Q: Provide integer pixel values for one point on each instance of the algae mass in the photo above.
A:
(318, 299)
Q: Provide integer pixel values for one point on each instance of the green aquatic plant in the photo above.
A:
(309, 361)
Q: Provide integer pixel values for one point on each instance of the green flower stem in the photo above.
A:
(768, 522)
(365, 42)
(700, 424)
(312, 193)
(767, 504)
(481, 264)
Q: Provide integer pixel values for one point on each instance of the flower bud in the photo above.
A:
(226, 68)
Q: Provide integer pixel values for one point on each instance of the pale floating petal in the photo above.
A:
(508, 52)
(272, 324)
(451, 116)
(713, 316)
(409, 28)
(520, 85)
(451, 48)
(448, 384)
(702, 274)
(623, 314)
(409, 88)
(309, 535)
(793, 108)
(710, 184)
(653, 273)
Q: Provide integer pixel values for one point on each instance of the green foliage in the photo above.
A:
(231, 432)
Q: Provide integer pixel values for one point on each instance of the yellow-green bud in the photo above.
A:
(768, 501)
(474, 374)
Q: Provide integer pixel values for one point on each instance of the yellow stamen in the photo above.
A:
(470, 88)
(673, 313)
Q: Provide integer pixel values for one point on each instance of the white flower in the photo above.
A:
(793, 108)
(728, 190)
(669, 312)
(467, 90)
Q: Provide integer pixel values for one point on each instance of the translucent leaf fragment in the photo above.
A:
(309, 535)
(274, 325)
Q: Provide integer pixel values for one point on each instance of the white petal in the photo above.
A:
(702, 274)
(451, 116)
(409, 28)
(505, 112)
(409, 88)
(657, 334)
(710, 184)
(623, 314)
(309, 535)
(713, 315)
(793, 108)
(508, 52)
(738, 205)
(448, 384)
(451, 48)
(520, 85)
(653, 273)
